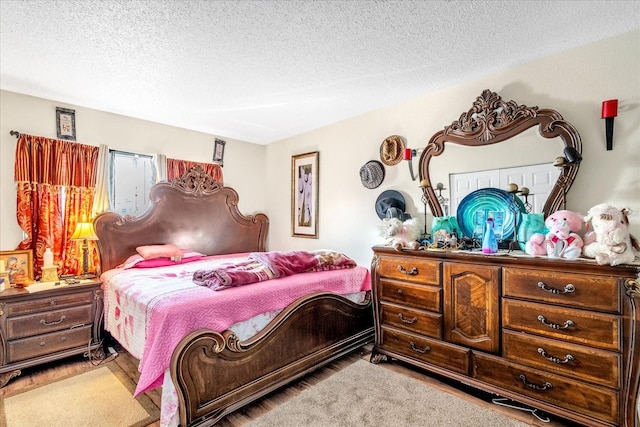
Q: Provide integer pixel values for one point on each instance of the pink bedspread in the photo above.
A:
(173, 306)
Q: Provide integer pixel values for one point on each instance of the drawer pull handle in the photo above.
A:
(52, 303)
(409, 321)
(567, 323)
(42, 343)
(568, 358)
(411, 272)
(546, 386)
(568, 289)
(57, 322)
(419, 350)
(399, 291)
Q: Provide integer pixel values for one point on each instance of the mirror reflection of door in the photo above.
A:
(539, 179)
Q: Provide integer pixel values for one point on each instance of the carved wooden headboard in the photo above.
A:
(193, 212)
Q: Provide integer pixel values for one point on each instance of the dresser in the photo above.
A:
(560, 336)
(39, 327)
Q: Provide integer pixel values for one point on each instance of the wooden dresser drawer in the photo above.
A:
(588, 399)
(413, 295)
(427, 350)
(577, 326)
(49, 303)
(48, 343)
(582, 291)
(576, 361)
(410, 269)
(48, 321)
(418, 321)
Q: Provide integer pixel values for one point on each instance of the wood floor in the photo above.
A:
(76, 365)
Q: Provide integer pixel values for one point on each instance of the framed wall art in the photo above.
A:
(304, 195)
(18, 264)
(218, 152)
(66, 123)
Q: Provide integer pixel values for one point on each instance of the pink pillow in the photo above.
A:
(159, 251)
(136, 261)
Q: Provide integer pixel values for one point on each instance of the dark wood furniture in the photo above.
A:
(43, 326)
(214, 373)
(559, 335)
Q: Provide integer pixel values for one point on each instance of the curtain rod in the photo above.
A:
(15, 133)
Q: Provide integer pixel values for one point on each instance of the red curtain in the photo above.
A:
(176, 168)
(55, 182)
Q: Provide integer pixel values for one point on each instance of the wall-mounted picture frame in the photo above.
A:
(218, 152)
(18, 264)
(66, 123)
(304, 195)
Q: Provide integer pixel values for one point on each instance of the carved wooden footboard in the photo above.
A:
(216, 374)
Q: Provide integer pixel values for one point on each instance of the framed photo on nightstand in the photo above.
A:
(17, 265)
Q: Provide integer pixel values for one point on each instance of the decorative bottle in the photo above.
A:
(48, 258)
(489, 242)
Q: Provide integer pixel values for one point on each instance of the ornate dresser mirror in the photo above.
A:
(542, 134)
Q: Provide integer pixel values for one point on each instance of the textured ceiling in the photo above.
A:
(260, 71)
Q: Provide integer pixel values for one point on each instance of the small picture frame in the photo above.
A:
(304, 195)
(218, 152)
(66, 123)
(16, 264)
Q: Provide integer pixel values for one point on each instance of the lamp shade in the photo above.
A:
(84, 231)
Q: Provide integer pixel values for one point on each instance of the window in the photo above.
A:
(131, 176)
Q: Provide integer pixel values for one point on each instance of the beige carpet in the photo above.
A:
(101, 397)
(364, 394)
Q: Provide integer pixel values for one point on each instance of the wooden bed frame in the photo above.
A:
(215, 373)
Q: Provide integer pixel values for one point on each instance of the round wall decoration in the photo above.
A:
(390, 204)
(372, 174)
(392, 150)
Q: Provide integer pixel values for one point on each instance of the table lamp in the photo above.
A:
(84, 231)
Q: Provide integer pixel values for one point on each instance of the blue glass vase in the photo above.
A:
(489, 242)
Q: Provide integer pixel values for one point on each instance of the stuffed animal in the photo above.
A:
(400, 234)
(560, 241)
(610, 241)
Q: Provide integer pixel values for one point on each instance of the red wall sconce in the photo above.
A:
(409, 154)
(609, 111)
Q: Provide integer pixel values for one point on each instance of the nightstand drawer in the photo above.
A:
(577, 326)
(427, 350)
(417, 321)
(573, 360)
(410, 269)
(40, 323)
(41, 345)
(49, 303)
(413, 295)
(581, 291)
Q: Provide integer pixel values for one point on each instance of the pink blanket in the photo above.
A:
(260, 266)
(164, 305)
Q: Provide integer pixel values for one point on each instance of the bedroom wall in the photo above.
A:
(574, 83)
(243, 162)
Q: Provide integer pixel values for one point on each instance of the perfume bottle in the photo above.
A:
(489, 242)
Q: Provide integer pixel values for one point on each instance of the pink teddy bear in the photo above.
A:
(560, 241)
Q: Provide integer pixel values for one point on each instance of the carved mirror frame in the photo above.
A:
(491, 120)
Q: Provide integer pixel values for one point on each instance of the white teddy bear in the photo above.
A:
(610, 241)
(400, 234)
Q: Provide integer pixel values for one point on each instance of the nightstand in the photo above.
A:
(50, 324)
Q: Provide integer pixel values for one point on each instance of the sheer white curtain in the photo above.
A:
(101, 196)
(160, 163)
